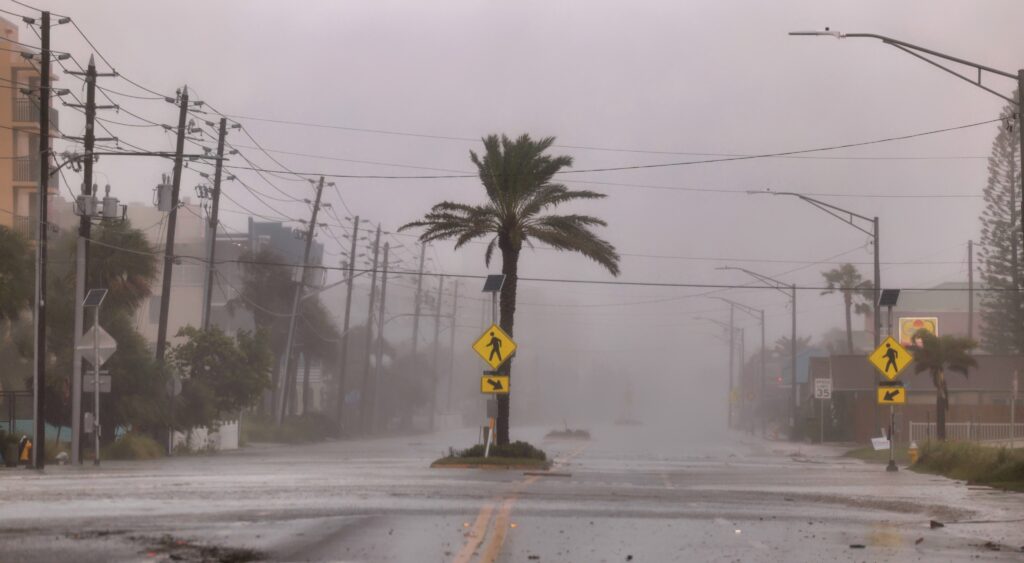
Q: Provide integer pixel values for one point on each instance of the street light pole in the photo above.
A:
(851, 218)
(920, 52)
(790, 290)
(730, 327)
(757, 314)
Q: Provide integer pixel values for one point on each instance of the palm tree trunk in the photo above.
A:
(510, 268)
(848, 301)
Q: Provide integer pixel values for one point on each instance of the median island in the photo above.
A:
(517, 455)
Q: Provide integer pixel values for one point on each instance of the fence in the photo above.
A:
(225, 437)
(969, 431)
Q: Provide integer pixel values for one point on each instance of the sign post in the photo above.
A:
(100, 355)
(890, 358)
(822, 392)
(494, 347)
(1013, 407)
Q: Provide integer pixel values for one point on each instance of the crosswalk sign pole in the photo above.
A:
(892, 417)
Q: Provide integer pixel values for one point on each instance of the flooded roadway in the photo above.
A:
(645, 493)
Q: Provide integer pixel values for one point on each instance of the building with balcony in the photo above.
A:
(19, 138)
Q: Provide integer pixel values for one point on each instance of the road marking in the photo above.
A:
(500, 526)
(497, 528)
(476, 534)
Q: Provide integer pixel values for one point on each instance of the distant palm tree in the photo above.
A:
(858, 294)
(517, 178)
(937, 355)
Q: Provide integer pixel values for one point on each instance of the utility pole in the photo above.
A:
(761, 401)
(343, 349)
(289, 358)
(732, 357)
(364, 389)
(437, 344)
(378, 368)
(739, 377)
(418, 301)
(970, 289)
(172, 223)
(451, 347)
(39, 383)
(211, 230)
(82, 251)
(794, 396)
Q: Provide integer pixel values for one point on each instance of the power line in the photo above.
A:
(566, 146)
(650, 166)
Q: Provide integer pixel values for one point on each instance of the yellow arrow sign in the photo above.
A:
(892, 395)
(494, 346)
(494, 384)
(890, 358)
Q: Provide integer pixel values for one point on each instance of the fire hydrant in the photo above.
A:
(912, 453)
(25, 450)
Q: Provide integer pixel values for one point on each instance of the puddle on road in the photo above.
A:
(882, 535)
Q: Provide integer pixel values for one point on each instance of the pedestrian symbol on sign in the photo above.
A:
(890, 356)
(495, 345)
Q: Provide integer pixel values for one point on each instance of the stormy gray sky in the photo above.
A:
(646, 82)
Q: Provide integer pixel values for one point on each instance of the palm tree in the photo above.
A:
(857, 292)
(517, 178)
(936, 355)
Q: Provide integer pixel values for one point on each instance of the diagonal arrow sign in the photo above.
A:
(890, 395)
(495, 384)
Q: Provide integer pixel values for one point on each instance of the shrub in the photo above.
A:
(134, 446)
(972, 462)
(515, 449)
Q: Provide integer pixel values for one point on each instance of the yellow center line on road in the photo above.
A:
(502, 521)
(475, 535)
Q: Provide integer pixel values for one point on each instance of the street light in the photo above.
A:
(757, 314)
(732, 355)
(850, 218)
(791, 290)
(919, 52)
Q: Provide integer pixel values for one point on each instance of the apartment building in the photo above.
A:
(19, 135)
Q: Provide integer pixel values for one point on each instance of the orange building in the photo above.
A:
(19, 134)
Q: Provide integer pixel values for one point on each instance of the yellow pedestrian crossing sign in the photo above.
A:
(891, 394)
(494, 346)
(890, 358)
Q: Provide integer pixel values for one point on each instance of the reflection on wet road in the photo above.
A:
(629, 494)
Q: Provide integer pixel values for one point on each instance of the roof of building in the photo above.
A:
(948, 297)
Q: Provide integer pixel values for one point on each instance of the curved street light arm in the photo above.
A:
(755, 313)
(844, 215)
(772, 283)
(917, 50)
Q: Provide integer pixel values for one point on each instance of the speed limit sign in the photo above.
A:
(822, 388)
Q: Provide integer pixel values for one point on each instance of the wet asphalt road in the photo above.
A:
(645, 493)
